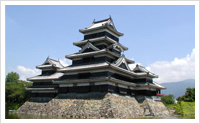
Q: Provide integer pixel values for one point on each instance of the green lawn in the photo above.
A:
(183, 108)
(188, 108)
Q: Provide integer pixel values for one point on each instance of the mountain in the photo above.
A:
(177, 88)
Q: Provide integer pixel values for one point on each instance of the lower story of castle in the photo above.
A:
(104, 87)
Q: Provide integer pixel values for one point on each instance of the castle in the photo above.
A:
(99, 66)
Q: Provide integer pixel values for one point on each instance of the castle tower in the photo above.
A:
(98, 72)
(101, 66)
(43, 88)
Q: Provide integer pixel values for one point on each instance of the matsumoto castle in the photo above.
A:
(99, 66)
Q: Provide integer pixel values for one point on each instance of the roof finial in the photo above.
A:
(110, 16)
(93, 20)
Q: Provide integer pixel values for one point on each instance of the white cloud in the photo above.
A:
(27, 72)
(176, 70)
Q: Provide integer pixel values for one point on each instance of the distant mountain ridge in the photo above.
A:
(178, 88)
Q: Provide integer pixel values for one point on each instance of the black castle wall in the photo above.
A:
(91, 60)
(105, 88)
(100, 34)
(106, 74)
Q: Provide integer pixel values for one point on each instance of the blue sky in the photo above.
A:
(156, 35)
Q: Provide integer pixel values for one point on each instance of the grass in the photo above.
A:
(171, 106)
(183, 108)
(186, 108)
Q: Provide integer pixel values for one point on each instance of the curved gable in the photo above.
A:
(87, 47)
(121, 62)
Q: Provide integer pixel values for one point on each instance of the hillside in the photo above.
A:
(178, 88)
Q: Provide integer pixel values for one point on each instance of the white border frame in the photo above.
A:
(196, 3)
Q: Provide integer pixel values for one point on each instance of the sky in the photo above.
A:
(159, 37)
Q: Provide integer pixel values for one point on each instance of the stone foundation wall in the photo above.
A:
(92, 105)
(154, 108)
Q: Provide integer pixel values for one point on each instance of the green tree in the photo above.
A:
(16, 93)
(12, 77)
(189, 95)
(168, 99)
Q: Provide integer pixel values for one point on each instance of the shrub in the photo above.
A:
(168, 99)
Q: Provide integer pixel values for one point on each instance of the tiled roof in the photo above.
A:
(56, 63)
(99, 39)
(50, 63)
(143, 69)
(100, 65)
(46, 77)
(158, 85)
(107, 23)
(151, 85)
(82, 67)
(120, 61)
(88, 45)
(40, 89)
(99, 79)
(93, 53)
(102, 22)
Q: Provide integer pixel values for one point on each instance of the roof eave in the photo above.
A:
(103, 51)
(40, 89)
(44, 66)
(78, 68)
(100, 27)
(83, 42)
(41, 79)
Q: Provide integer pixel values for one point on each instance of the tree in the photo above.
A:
(189, 95)
(12, 77)
(168, 99)
(16, 93)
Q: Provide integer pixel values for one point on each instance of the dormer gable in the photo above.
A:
(116, 47)
(89, 46)
(121, 62)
